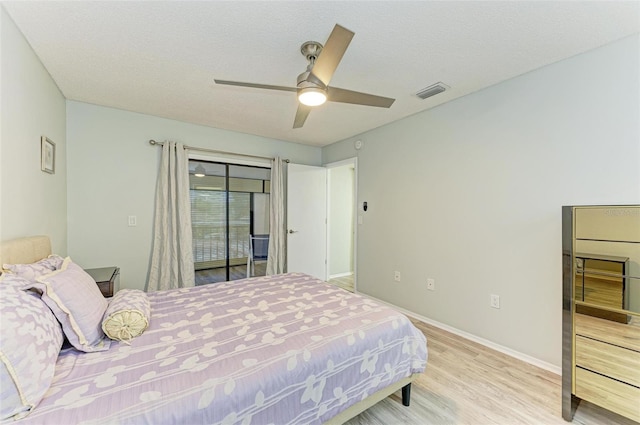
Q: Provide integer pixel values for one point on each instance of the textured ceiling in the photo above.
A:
(160, 58)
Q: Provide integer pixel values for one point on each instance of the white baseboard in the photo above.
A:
(501, 348)
(334, 276)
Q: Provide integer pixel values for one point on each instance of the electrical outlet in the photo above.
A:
(396, 276)
(495, 301)
(431, 284)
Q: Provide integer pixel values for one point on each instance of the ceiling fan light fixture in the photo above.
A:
(312, 86)
(312, 96)
(200, 171)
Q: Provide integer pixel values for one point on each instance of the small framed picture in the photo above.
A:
(48, 155)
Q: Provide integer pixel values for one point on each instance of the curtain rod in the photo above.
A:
(154, 143)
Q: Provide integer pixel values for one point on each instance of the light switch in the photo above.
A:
(359, 219)
(133, 221)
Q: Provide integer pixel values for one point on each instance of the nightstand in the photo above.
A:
(107, 279)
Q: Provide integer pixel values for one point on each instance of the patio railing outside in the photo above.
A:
(209, 245)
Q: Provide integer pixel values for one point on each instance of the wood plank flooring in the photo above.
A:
(468, 383)
(345, 282)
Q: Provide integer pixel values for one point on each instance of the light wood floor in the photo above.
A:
(345, 282)
(468, 383)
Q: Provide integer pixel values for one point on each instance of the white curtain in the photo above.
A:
(172, 257)
(277, 229)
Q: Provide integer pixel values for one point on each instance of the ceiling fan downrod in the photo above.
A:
(311, 50)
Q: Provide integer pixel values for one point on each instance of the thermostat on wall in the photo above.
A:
(357, 144)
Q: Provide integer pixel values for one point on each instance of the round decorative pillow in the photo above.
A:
(127, 315)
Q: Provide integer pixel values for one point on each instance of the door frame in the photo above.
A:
(349, 161)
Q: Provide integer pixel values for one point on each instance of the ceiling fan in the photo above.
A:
(313, 85)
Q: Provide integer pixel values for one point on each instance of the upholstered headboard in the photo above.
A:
(24, 250)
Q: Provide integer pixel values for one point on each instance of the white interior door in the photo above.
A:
(307, 220)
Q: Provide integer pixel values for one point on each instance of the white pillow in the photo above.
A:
(75, 299)
(29, 346)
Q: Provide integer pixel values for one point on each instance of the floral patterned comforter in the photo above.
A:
(285, 349)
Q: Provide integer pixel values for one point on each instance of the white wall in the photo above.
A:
(112, 174)
(341, 193)
(32, 202)
(470, 194)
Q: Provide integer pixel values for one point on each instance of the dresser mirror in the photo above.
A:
(607, 261)
(601, 308)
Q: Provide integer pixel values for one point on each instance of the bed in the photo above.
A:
(285, 349)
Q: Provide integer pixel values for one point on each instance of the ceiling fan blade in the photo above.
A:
(255, 86)
(349, 96)
(301, 115)
(332, 53)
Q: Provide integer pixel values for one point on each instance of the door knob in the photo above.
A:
(293, 231)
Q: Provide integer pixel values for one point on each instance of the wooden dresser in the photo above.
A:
(607, 364)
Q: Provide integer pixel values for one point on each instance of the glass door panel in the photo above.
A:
(228, 203)
(208, 215)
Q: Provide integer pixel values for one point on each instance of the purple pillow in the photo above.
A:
(35, 270)
(75, 299)
(29, 346)
(55, 260)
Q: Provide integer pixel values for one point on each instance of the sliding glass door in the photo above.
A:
(228, 204)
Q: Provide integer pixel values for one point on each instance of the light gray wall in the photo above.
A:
(470, 194)
(112, 175)
(32, 202)
(341, 192)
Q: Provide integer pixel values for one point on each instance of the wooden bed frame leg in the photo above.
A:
(406, 394)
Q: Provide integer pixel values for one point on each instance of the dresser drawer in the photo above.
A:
(609, 360)
(616, 396)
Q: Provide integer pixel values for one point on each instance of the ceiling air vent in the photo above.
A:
(432, 90)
